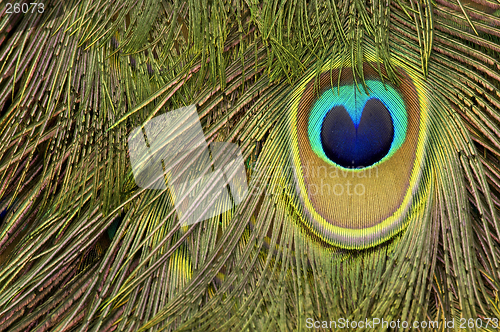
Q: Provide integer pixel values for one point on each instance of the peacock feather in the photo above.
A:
(369, 132)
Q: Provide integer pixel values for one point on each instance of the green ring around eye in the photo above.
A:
(354, 101)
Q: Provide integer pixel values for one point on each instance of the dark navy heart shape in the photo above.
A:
(349, 145)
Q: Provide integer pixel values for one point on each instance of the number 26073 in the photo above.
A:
(33, 7)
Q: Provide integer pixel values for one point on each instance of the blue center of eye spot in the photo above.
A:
(351, 129)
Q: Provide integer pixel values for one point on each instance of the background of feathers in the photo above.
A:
(82, 248)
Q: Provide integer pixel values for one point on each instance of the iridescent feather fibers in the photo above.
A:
(395, 103)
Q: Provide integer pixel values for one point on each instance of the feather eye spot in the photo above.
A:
(353, 129)
(369, 137)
